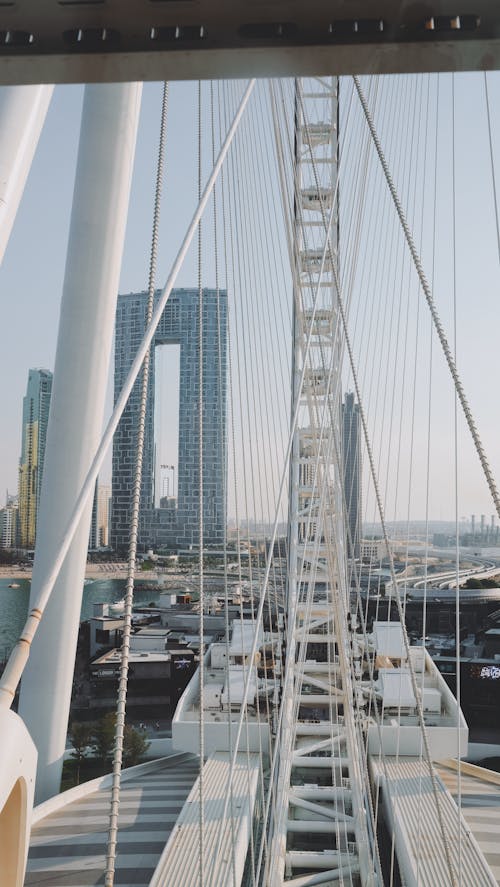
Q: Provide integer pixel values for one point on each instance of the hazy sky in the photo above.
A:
(33, 268)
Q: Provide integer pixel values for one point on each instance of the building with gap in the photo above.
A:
(175, 526)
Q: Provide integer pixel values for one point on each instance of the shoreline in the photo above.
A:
(92, 571)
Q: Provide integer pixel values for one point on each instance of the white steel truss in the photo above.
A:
(320, 831)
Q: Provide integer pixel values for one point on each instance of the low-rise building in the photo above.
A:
(105, 630)
(372, 550)
(160, 666)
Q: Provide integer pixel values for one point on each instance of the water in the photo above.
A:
(14, 604)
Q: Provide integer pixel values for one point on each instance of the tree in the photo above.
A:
(81, 738)
(135, 746)
(104, 737)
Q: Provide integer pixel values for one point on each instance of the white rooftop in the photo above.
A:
(242, 637)
(388, 639)
(179, 865)
(153, 631)
(237, 676)
(113, 657)
(396, 688)
(409, 798)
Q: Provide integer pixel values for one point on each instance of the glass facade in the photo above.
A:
(177, 526)
(36, 405)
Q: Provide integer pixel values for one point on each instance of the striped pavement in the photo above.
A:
(480, 801)
(68, 847)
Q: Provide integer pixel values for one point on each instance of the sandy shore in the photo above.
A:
(93, 571)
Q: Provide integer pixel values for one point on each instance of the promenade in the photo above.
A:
(68, 844)
(92, 571)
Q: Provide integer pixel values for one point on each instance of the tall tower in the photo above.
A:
(8, 525)
(175, 527)
(36, 405)
(94, 531)
(103, 512)
(351, 463)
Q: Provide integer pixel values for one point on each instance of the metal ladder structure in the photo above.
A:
(321, 832)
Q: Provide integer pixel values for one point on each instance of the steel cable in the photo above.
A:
(432, 306)
(134, 518)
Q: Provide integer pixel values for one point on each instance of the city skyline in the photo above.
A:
(58, 144)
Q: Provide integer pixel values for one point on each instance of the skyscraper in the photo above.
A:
(103, 512)
(36, 405)
(8, 523)
(351, 459)
(94, 531)
(176, 526)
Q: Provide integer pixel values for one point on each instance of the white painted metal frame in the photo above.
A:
(316, 615)
(22, 114)
(100, 203)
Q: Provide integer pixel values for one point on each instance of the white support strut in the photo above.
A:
(316, 570)
(100, 203)
(22, 114)
(19, 656)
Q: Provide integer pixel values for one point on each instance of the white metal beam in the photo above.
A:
(100, 202)
(327, 877)
(324, 859)
(22, 114)
(320, 809)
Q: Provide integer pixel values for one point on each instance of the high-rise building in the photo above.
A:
(36, 405)
(103, 512)
(94, 531)
(99, 524)
(8, 524)
(351, 458)
(176, 526)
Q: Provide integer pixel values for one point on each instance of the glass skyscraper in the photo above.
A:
(36, 405)
(174, 527)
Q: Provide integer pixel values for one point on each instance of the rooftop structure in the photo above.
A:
(394, 723)
(230, 678)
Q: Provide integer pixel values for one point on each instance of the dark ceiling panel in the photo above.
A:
(65, 41)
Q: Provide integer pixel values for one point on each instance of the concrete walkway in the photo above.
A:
(480, 796)
(68, 847)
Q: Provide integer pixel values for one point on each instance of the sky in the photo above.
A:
(31, 276)
(461, 259)
(33, 268)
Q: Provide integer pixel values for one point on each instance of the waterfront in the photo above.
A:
(14, 604)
